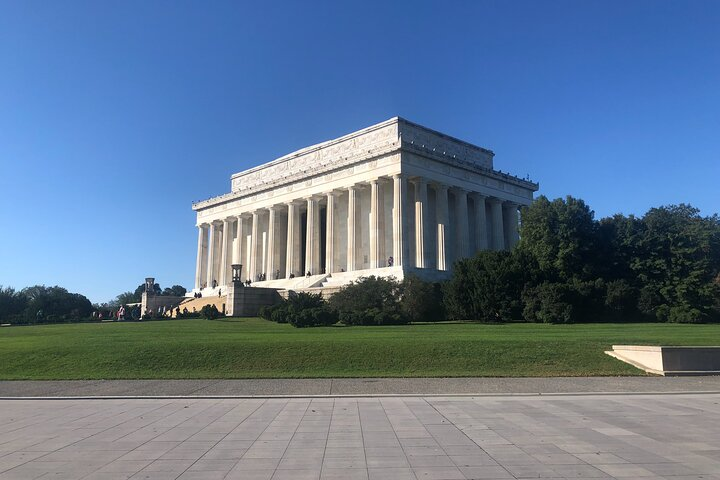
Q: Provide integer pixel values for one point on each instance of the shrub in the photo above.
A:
(488, 287)
(422, 301)
(370, 301)
(280, 313)
(621, 300)
(685, 314)
(209, 312)
(313, 317)
(300, 310)
(548, 303)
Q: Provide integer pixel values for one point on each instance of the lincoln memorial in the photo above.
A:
(391, 199)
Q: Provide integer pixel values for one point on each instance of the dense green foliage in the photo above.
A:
(421, 301)
(367, 301)
(570, 268)
(136, 296)
(300, 310)
(253, 348)
(41, 304)
(209, 312)
(370, 301)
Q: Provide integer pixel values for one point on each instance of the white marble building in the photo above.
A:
(389, 199)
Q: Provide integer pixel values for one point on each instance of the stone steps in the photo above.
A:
(199, 303)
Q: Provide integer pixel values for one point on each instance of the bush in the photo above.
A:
(488, 287)
(280, 313)
(573, 301)
(621, 300)
(301, 310)
(313, 317)
(548, 303)
(370, 301)
(422, 301)
(209, 312)
(685, 314)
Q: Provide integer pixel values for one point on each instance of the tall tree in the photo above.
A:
(678, 262)
(561, 236)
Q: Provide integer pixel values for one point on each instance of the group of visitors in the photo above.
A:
(122, 313)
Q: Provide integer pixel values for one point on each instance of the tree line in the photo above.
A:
(42, 304)
(568, 267)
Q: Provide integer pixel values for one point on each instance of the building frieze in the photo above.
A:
(332, 160)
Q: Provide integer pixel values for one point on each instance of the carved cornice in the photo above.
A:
(392, 136)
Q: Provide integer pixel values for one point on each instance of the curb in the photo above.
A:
(359, 395)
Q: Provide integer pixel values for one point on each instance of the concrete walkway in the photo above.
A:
(389, 438)
(355, 386)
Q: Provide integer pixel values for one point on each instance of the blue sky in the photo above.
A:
(115, 116)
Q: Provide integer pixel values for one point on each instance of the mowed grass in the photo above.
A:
(255, 348)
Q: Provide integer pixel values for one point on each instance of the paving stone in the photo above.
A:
(559, 436)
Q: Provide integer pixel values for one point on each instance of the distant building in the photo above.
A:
(391, 199)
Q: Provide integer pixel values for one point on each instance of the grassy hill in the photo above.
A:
(254, 348)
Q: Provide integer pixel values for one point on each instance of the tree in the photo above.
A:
(369, 301)
(175, 291)
(141, 288)
(55, 303)
(125, 298)
(561, 236)
(12, 303)
(488, 286)
(677, 263)
(617, 246)
(422, 301)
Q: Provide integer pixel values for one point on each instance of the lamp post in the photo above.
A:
(150, 285)
(237, 273)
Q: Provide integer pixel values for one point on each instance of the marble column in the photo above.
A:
(441, 202)
(481, 236)
(270, 257)
(510, 217)
(330, 233)
(423, 228)
(237, 253)
(201, 258)
(400, 245)
(225, 254)
(376, 237)
(462, 249)
(292, 256)
(351, 218)
(312, 243)
(211, 254)
(254, 243)
(498, 235)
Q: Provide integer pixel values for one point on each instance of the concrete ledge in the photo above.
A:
(670, 361)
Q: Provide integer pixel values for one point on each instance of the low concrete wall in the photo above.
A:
(326, 292)
(246, 301)
(153, 302)
(670, 360)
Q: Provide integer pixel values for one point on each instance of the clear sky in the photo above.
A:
(116, 115)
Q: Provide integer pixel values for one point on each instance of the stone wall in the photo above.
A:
(246, 301)
(153, 302)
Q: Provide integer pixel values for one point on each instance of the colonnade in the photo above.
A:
(388, 221)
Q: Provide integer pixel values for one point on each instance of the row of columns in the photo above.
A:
(213, 266)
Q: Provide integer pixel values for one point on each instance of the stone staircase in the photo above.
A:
(338, 279)
(199, 303)
(297, 283)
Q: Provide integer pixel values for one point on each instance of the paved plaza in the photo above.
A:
(357, 386)
(674, 436)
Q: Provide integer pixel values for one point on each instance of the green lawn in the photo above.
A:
(254, 348)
